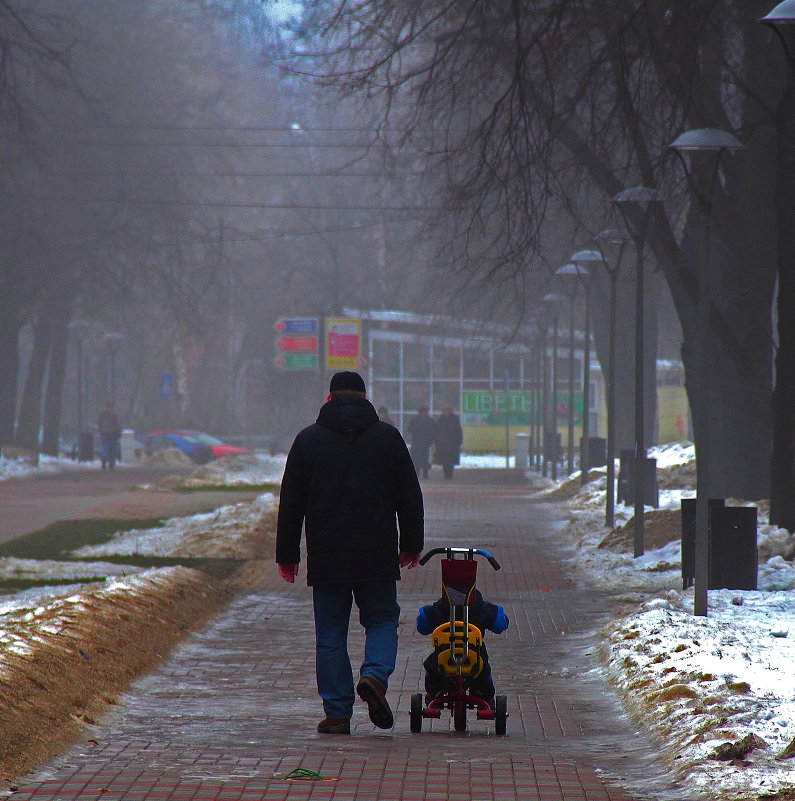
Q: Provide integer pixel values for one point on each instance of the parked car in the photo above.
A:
(198, 446)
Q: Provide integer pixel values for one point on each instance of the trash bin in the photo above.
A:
(688, 526)
(593, 453)
(626, 481)
(521, 450)
(85, 450)
(128, 446)
(733, 555)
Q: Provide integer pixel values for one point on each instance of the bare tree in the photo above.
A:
(527, 103)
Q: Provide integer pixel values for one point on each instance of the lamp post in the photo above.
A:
(582, 259)
(713, 143)
(780, 20)
(568, 269)
(538, 406)
(618, 237)
(555, 301)
(629, 202)
(79, 327)
(113, 342)
(581, 274)
(543, 409)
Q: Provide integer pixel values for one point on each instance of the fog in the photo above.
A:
(165, 181)
(182, 175)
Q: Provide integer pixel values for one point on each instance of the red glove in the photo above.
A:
(288, 572)
(409, 560)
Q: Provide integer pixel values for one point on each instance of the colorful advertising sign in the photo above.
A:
(298, 325)
(298, 361)
(297, 348)
(489, 407)
(343, 343)
(297, 343)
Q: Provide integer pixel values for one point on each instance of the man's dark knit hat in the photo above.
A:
(347, 380)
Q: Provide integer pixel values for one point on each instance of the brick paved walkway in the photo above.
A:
(235, 708)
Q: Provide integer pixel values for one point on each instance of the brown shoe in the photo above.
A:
(334, 726)
(372, 692)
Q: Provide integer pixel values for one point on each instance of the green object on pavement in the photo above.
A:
(305, 774)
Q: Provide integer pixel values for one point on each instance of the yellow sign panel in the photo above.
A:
(343, 343)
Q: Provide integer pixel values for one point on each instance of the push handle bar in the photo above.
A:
(470, 554)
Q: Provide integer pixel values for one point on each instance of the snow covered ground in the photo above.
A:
(719, 690)
(26, 467)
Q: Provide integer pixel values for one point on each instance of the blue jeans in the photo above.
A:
(378, 614)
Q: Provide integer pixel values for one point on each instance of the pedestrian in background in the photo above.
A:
(350, 482)
(109, 433)
(447, 440)
(422, 430)
(384, 416)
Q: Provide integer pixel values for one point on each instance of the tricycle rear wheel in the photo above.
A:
(501, 715)
(415, 715)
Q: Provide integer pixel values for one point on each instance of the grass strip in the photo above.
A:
(58, 539)
(270, 486)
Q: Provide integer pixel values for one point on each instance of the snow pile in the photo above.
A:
(672, 454)
(168, 457)
(718, 690)
(227, 532)
(245, 470)
(63, 660)
(703, 684)
(23, 464)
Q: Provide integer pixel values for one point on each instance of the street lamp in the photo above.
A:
(583, 260)
(634, 205)
(571, 294)
(618, 237)
(580, 273)
(713, 143)
(554, 300)
(779, 20)
(539, 397)
(113, 342)
(79, 327)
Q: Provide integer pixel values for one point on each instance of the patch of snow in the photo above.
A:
(196, 535)
(698, 682)
(486, 460)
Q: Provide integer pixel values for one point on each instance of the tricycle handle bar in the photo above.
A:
(470, 554)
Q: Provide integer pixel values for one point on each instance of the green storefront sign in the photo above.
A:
(490, 407)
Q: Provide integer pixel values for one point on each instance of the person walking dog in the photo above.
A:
(350, 483)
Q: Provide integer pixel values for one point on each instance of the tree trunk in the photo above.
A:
(782, 491)
(740, 361)
(29, 418)
(51, 433)
(9, 374)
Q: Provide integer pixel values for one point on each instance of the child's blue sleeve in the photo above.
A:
(423, 625)
(500, 621)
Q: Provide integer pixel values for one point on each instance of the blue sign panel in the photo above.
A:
(297, 325)
(165, 385)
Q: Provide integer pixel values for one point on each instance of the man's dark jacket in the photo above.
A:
(351, 479)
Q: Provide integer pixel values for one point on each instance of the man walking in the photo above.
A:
(109, 433)
(422, 430)
(349, 480)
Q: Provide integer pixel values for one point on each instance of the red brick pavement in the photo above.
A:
(235, 707)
